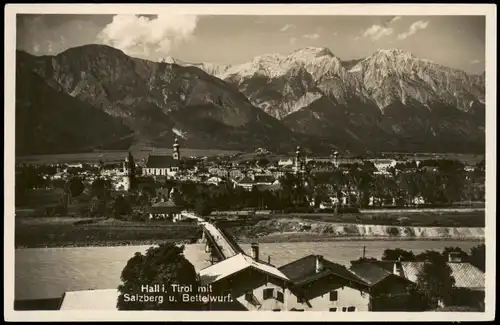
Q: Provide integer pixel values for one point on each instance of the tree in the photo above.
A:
(398, 254)
(100, 188)
(74, 186)
(430, 256)
(435, 282)
(163, 265)
(477, 257)
(94, 206)
(202, 207)
(121, 206)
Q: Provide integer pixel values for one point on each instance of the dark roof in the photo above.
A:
(165, 206)
(263, 179)
(246, 180)
(161, 162)
(370, 272)
(304, 270)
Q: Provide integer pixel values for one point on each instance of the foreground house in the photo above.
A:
(251, 284)
(321, 285)
(388, 290)
(469, 281)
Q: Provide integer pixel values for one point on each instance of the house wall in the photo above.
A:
(318, 296)
(254, 281)
(391, 294)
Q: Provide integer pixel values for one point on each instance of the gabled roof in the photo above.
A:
(246, 180)
(161, 162)
(466, 275)
(264, 179)
(90, 300)
(304, 270)
(236, 264)
(370, 272)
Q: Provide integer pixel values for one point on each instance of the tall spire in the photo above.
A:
(176, 154)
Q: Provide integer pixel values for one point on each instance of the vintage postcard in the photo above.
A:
(295, 162)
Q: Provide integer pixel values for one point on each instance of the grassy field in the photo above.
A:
(69, 232)
(113, 156)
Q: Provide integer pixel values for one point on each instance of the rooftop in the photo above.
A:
(236, 264)
(304, 269)
(160, 161)
(90, 300)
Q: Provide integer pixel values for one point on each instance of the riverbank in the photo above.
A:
(50, 232)
(297, 237)
(78, 232)
(299, 229)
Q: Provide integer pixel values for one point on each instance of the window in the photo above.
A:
(351, 309)
(344, 309)
(294, 309)
(280, 296)
(277, 309)
(334, 296)
(333, 309)
(268, 293)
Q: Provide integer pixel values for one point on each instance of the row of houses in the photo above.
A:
(311, 283)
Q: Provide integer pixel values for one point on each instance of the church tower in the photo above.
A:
(298, 162)
(176, 153)
(129, 168)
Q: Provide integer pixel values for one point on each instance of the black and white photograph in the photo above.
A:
(333, 159)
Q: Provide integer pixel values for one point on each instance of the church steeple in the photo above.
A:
(129, 168)
(176, 152)
(297, 160)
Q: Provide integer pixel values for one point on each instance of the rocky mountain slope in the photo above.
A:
(51, 121)
(391, 99)
(159, 100)
(388, 101)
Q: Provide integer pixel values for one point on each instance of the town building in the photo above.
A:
(163, 165)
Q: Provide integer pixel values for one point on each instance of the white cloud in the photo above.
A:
(395, 18)
(376, 32)
(293, 40)
(287, 27)
(476, 61)
(145, 37)
(415, 27)
(50, 46)
(311, 36)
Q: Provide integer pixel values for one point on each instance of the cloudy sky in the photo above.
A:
(455, 41)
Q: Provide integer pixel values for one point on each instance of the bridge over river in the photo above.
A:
(218, 243)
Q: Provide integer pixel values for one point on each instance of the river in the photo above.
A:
(48, 272)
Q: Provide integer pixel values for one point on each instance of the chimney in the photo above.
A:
(255, 251)
(319, 263)
(454, 257)
(269, 259)
(398, 268)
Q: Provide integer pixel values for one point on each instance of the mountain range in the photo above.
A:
(95, 96)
